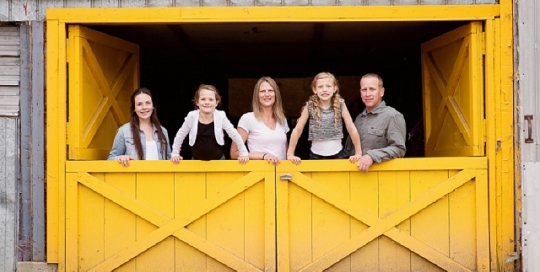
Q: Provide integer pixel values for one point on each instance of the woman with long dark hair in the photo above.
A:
(143, 138)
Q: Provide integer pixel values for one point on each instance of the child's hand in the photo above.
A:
(176, 159)
(294, 159)
(355, 158)
(243, 159)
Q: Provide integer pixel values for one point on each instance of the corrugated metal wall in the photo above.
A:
(528, 103)
(26, 10)
(9, 123)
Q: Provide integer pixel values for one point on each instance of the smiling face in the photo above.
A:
(371, 92)
(325, 88)
(267, 95)
(144, 106)
(207, 101)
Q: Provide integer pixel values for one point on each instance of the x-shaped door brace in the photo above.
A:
(384, 226)
(109, 92)
(167, 227)
(447, 90)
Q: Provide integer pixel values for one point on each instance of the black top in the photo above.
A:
(206, 146)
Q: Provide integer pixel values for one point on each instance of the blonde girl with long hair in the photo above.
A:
(326, 111)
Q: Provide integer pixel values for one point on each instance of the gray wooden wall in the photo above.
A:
(22, 149)
(8, 193)
(26, 10)
(528, 103)
(9, 135)
(9, 70)
(32, 146)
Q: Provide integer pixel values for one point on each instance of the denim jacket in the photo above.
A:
(123, 143)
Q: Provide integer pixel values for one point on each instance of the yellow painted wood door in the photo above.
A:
(103, 72)
(453, 90)
(166, 217)
(412, 215)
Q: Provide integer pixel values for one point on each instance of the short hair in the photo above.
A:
(375, 76)
(206, 87)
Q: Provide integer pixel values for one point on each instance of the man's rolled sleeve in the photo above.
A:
(396, 141)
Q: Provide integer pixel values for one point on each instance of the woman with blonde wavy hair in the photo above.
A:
(265, 128)
(325, 111)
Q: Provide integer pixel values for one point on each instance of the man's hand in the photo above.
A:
(364, 163)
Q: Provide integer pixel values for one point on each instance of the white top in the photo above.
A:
(262, 139)
(326, 148)
(221, 123)
(151, 151)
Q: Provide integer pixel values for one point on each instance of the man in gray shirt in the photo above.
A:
(381, 128)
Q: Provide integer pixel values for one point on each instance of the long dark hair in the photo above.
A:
(134, 123)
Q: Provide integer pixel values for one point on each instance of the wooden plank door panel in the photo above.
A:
(103, 72)
(170, 220)
(453, 90)
(409, 218)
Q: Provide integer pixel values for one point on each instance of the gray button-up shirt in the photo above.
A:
(382, 134)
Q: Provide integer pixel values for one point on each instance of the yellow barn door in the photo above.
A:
(103, 72)
(452, 67)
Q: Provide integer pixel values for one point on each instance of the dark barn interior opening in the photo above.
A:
(176, 58)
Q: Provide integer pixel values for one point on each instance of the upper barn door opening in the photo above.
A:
(453, 91)
(103, 72)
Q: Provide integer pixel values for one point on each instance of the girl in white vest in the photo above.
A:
(325, 111)
(205, 127)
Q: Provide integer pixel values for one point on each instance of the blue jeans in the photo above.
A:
(313, 156)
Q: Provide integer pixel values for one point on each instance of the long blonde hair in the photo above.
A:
(313, 102)
(277, 108)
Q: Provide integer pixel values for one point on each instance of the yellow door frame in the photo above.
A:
(499, 89)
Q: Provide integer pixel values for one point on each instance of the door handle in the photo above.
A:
(286, 177)
(529, 119)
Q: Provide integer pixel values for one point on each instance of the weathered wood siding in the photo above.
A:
(8, 193)
(32, 147)
(26, 10)
(9, 70)
(528, 101)
(9, 111)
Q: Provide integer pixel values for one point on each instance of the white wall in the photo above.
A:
(528, 103)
